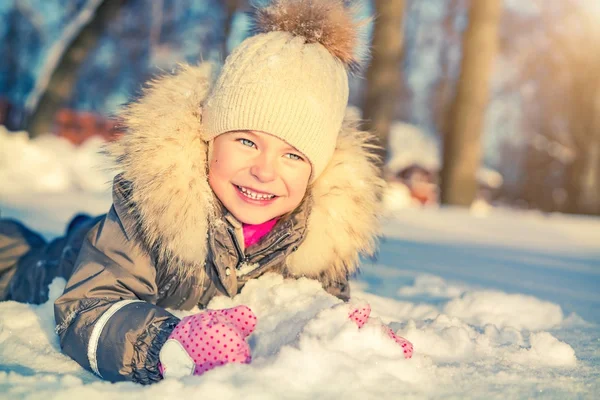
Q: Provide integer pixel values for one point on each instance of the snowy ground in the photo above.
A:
(500, 305)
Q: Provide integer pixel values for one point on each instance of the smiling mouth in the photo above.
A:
(251, 194)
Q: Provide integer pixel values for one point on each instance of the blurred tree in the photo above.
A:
(383, 75)
(21, 35)
(562, 109)
(142, 42)
(231, 7)
(445, 85)
(462, 141)
(62, 78)
(582, 113)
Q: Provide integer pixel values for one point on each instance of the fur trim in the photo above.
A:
(331, 23)
(164, 157)
(346, 204)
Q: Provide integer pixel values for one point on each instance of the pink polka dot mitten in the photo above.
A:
(203, 341)
(360, 315)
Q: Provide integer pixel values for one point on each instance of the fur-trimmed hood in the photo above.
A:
(164, 158)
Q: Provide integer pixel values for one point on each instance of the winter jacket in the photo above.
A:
(168, 243)
(28, 263)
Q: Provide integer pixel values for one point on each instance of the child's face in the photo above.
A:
(257, 176)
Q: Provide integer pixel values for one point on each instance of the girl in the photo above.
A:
(220, 183)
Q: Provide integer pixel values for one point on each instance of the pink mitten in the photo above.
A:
(406, 345)
(360, 315)
(203, 341)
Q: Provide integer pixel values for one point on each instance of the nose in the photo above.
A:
(264, 167)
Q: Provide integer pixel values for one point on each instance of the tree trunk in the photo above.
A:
(445, 85)
(462, 141)
(583, 177)
(583, 174)
(383, 76)
(231, 6)
(63, 78)
(590, 185)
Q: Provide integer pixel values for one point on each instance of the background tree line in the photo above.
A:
(551, 156)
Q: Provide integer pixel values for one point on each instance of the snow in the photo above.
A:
(398, 196)
(51, 164)
(517, 311)
(410, 145)
(501, 305)
(489, 177)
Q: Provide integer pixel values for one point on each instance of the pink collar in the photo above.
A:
(253, 233)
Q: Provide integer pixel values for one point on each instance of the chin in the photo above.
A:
(254, 220)
(251, 218)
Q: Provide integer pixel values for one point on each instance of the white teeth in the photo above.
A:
(254, 195)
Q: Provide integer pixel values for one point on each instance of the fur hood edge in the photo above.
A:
(164, 157)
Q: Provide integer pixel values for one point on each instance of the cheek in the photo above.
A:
(217, 175)
(212, 181)
(219, 166)
(298, 186)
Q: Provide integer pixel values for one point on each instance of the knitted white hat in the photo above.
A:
(291, 79)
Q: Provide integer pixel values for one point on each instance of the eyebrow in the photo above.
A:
(251, 133)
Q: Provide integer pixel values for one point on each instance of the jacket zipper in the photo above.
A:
(238, 248)
(275, 243)
(243, 258)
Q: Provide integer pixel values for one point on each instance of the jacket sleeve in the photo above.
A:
(106, 318)
(340, 289)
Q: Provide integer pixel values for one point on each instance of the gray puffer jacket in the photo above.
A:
(167, 242)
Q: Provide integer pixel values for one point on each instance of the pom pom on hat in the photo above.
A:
(331, 23)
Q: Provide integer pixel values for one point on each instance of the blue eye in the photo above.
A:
(293, 156)
(247, 142)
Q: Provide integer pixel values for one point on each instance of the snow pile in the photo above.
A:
(397, 196)
(51, 164)
(487, 307)
(447, 339)
(489, 177)
(28, 343)
(409, 145)
(304, 346)
(501, 309)
(433, 286)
